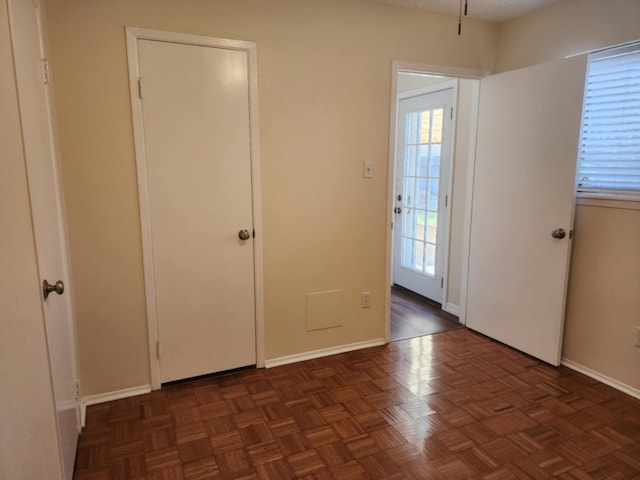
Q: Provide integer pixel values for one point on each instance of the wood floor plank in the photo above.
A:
(451, 406)
(415, 316)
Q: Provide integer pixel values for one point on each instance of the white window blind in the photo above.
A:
(609, 158)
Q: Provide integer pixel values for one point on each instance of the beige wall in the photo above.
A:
(28, 438)
(411, 81)
(324, 69)
(566, 28)
(602, 303)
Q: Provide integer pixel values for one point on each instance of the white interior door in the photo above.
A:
(48, 220)
(528, 133)
(422, 165)
(195, 104)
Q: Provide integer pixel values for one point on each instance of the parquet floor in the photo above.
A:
(450, 406)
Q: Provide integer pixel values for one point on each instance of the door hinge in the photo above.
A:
(446, 200)
(158, 349)
(46, 74)
(77, 383)
(451, 113)
(441, 282)
(140, 88)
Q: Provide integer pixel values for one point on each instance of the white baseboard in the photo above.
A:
(623, 387)
(323, 352)
(110, 396)
(452, 309)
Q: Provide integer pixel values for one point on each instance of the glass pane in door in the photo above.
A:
(421, 188)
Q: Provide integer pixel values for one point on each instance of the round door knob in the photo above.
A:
(47, 288)
(558, 233)
(244, 234)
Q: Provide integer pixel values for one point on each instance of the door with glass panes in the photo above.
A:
(421, 198)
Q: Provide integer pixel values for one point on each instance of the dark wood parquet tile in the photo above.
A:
(452, 406)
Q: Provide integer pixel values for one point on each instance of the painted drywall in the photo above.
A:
(565, 28)
(407, 82)
(602, 301)
(28, 436)
(603, 305)
(411, 81)
(324, 73)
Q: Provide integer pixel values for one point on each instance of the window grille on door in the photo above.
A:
(420, 190)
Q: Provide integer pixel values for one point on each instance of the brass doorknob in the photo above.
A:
(558, 233)
(244, 234)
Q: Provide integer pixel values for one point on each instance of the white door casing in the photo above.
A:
(28, 38)
(524, 181)
(198, 173)
(422, 189)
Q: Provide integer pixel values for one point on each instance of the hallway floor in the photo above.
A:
(415, 316)
(451, 406)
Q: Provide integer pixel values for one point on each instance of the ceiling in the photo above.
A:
(487, 10)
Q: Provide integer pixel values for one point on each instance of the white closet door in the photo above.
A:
(195, 103)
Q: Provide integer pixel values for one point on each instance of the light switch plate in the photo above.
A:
(367, 169)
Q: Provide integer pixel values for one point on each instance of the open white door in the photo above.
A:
(48, 221)
(528, 133)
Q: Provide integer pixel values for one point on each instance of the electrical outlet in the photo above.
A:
(365, 300)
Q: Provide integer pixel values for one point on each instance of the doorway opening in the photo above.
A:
(433, 117)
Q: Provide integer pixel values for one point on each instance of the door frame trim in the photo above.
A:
(133, 34)
(455, 72)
